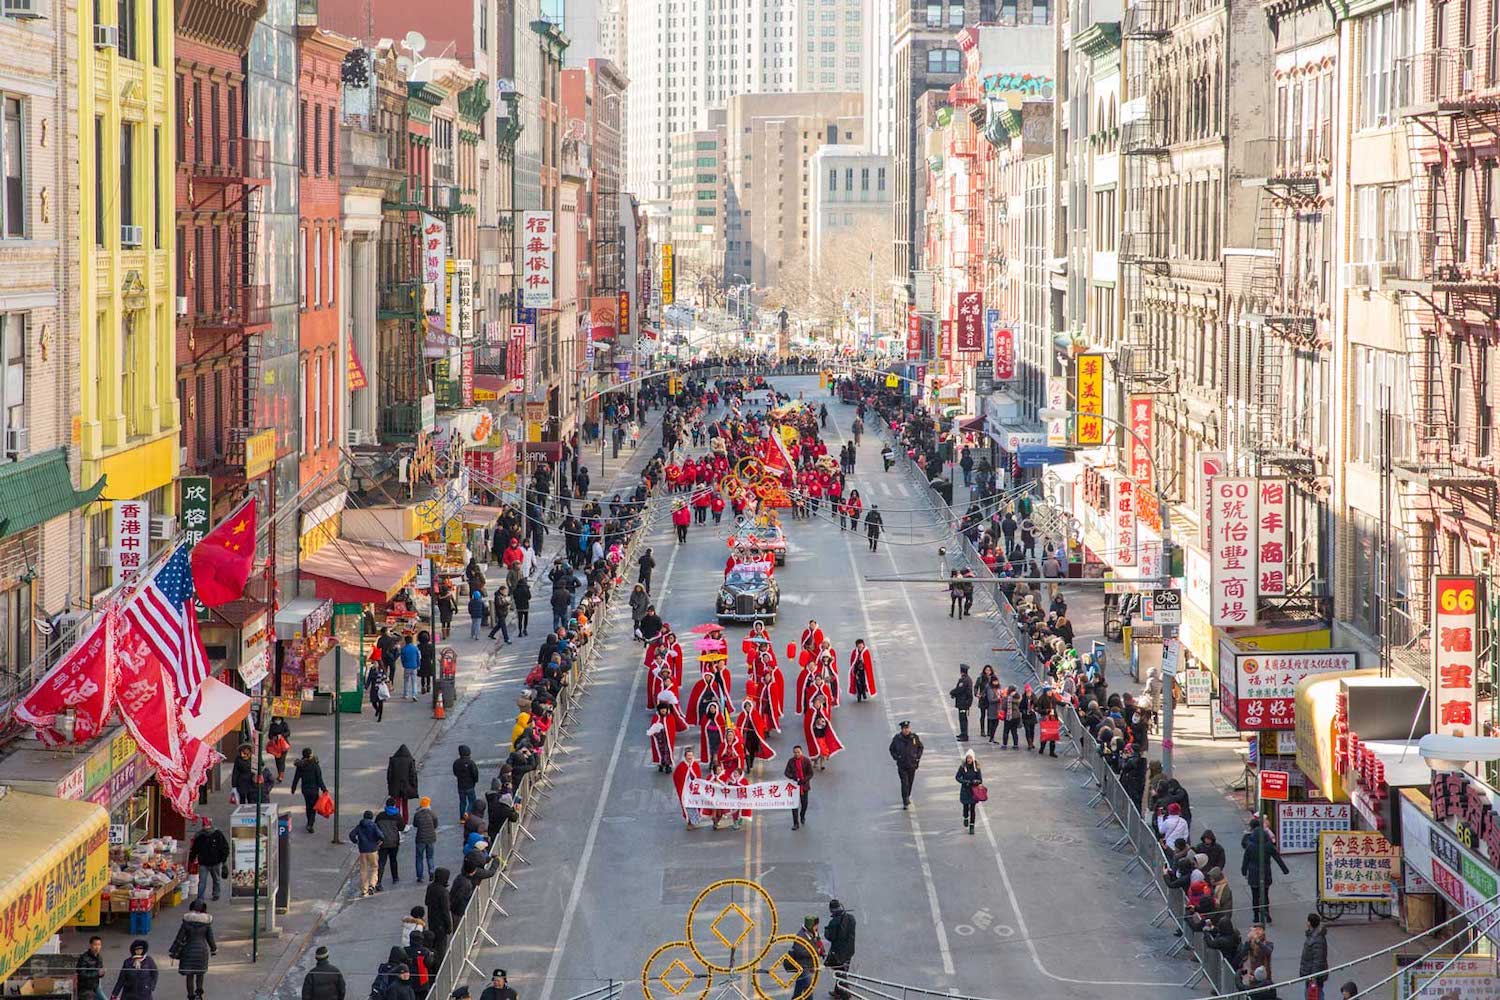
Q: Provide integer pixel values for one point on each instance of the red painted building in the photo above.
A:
(221, 310)
(320, 54)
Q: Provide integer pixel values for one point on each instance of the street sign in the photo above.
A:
(1274, 785)
(1166, 607)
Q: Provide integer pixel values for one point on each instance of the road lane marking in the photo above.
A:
(576, 892)
(916, 826)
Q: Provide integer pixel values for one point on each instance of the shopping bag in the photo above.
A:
(278, 746)
(324, 806)
(981, 794)
(1051, 730)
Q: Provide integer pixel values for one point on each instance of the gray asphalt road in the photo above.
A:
(1032, 905)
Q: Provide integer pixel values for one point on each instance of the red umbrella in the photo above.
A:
(706, 628)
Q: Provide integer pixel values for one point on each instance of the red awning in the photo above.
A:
(220, 710)
(350, 571)
(972, 425)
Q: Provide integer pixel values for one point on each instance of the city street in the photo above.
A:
(1030, 905)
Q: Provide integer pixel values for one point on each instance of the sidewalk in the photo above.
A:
(360, 932)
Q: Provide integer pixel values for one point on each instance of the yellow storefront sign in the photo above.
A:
(1090, 423)
(260, 453)
(137, 471)
(121, 749)
(56, 859)
(668, 275)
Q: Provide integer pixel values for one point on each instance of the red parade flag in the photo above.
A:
(82, 681)
(223, 560)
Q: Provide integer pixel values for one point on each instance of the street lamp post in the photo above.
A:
(1164, 514)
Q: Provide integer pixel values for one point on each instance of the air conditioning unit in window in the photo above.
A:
(354, 437)
(163, 527)
(17, 441)
(130, 236)
(182, 305)
(104, 556)
(29, 10)
(1357, 275)
(1386, 270)
(106, 36)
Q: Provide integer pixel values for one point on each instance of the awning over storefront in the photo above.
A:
(56, 859)
(488, 388)
(346, 570)
(221, 710)
(972, 425)
(39, 488)
(479, 516)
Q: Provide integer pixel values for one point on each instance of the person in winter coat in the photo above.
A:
(1209, 844)
(242, 779)
(138, 976)
(308, 774)
(401, 779)
(639, 600)
(447, 605)
(387, 975)
(476, 613)
(439, 912)
(500, 608)
(562, 603)
(323, 981)
(466, 773)
(210, 849)
(427, 670)
(500, 809)
(422, 963)
(906, 750)
(389, 822)
(193, 946)
(366, 838)
(276, 733)
(963, 700)
(873, 523)
(1133, 768)
(840, 936)
(646, 563)
(475, 870)
(969, 777)
(1222, 936)
(425, 826)
(520, 595)
(1255, 865)
(89, 970)
(1314, 960)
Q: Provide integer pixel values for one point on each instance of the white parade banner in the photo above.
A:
(698, 794)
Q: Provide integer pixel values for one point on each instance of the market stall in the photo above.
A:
(304, 657)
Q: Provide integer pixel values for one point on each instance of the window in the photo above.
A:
(13, 386)
(934, 15)
(302, 139)
(125, 22)
(15, 625)
(127, 174)
(1377, 376)
(1387, 42)
(880, 178)
(956, 15)
(13, 168)
(330, 394)
(302, 268)
(302, 395)
(130, 365)
(951, 61)
(1041, 11)
(157, 201)
(833, 180)
(317, 144)
(330, 280)
(333, 145)
(934, 60)
(200, 263)
(864, 178)
(317, 402)
(197, 121)
(484, 26)
(317, 276)
(155, 31)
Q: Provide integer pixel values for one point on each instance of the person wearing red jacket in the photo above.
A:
(716, 504)
(680, 518)
(701, 500)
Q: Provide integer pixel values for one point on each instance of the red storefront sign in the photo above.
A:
(945, 339)
(1455, 655)
(515, 357)
(913, 333)
(1141, 444)
(1275, 785)
(624, 314)
(1270, 548)
(1005, 354)
(970, 321)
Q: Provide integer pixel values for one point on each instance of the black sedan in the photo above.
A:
(749, 594)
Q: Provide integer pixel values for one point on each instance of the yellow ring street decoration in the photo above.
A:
(674, 976)
(783, 977)
(727, 935)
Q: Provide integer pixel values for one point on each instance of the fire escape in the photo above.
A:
(1280, 293)
(1141, 366)
(1443, 282)
(229, 317)
(968, 204)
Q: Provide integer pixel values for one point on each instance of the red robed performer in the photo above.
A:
(861, 670)
(665, 726)
(818, 733)
(812, 637)
(713, 685)
(661, 681)
(711, 731)
(752, 727)
(685, 769)
(827, 664)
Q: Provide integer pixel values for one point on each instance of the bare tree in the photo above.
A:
(841, 281)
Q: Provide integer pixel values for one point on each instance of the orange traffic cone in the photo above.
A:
(437, 710)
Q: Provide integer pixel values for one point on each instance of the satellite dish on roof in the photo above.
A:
(414, 42)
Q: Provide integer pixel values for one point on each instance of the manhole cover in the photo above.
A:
(1057, 838)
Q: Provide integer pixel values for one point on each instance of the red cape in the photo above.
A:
(674, 725)
(754, 719)
(680, 775)
(829, 746)
(862, 661)
(718, 681)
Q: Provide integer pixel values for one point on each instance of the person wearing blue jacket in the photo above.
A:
(411, 659)
(367, 838)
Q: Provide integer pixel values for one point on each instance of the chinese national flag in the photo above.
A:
(222, 561)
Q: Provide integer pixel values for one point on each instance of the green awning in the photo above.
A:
(37, 489)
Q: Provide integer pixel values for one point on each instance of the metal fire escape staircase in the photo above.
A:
(1141, 366)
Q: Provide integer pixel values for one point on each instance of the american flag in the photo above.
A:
(166, 616)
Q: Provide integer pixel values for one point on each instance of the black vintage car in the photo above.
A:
(749, 593)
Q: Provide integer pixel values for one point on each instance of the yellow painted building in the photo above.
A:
(128, 409)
